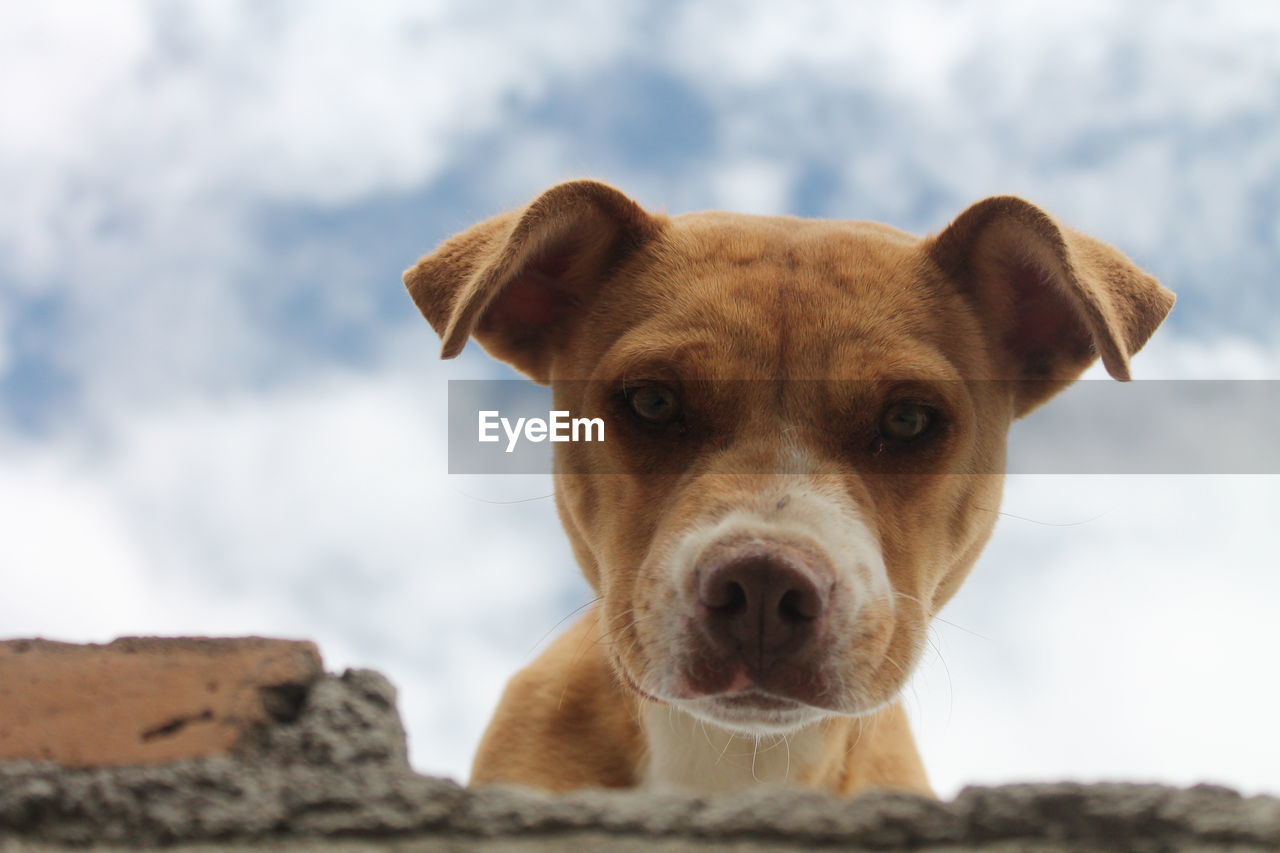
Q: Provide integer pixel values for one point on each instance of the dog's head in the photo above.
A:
(805, 420)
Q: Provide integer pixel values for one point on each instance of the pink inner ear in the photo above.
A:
(537, 297)
(1045, 331)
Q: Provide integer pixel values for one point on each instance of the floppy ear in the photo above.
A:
(1051, 299)
(516, 280)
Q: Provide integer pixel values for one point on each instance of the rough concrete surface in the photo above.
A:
(336, 778)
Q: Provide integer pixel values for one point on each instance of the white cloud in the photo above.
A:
(145, 146)
(62, 534)
(1174, 355)
(753, 186)
(209, 104)
(1116, 628)
(1021, 53)
(1121, 629)
(1116, 117)
(62, 62)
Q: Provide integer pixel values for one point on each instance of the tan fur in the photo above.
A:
(587, 291)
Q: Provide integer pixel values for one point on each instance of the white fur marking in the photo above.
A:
(688, 754)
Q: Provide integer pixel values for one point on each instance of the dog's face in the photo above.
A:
(805, 421)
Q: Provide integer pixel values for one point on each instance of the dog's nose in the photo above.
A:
(761, 605)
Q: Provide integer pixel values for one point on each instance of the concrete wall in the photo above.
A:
(318, 762)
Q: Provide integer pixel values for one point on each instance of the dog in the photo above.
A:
(807, 423)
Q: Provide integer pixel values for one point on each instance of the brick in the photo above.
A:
(146, 700)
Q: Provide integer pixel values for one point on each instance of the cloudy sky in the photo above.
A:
(219, 413)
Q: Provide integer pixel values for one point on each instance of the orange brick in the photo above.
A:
(144, 700)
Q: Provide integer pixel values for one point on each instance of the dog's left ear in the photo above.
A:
(515, 281)
(1051, 299)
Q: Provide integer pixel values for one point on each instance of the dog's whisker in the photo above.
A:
(564, 619)
(925, 609)
(492, 502)
(951, 690)
(963, 628)
(1040, 522)
(608, 636)
(727, 741)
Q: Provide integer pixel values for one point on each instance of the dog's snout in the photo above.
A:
(761, 604)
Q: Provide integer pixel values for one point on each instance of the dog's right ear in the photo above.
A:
(516, 280)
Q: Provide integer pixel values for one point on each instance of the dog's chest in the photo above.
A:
(688, 754)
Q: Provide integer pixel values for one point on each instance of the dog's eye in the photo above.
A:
(905, 421)
(654, 404)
